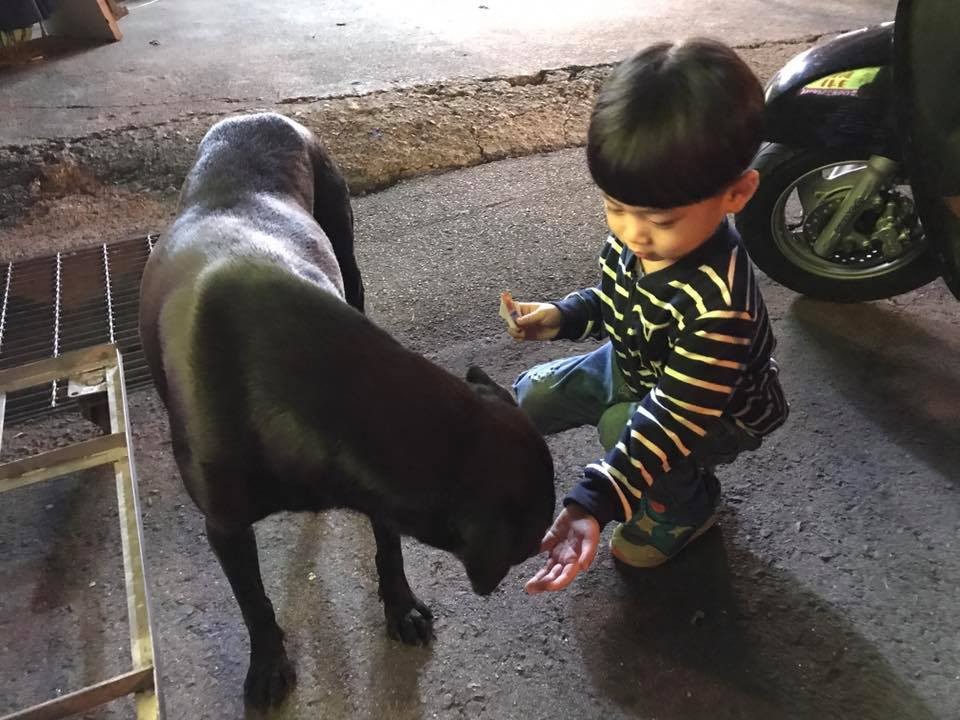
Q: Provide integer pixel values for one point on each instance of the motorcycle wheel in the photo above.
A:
(799, 190)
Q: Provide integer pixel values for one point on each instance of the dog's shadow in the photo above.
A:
(719, 633)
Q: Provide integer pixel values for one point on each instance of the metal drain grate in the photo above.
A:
(68, 301)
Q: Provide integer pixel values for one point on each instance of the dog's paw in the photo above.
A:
(410, 625)
(269, 680)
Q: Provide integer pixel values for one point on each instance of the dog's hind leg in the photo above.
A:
(271, 676)
(408, 619)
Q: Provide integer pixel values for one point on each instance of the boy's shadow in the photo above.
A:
(892, 368)
(718, 633)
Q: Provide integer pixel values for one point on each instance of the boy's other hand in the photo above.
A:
(537, 321)
(572, 544)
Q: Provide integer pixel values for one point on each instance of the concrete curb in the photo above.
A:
(377, 138)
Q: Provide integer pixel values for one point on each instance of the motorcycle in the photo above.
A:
(848, 208)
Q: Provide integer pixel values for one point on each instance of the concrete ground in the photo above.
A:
(829, 590)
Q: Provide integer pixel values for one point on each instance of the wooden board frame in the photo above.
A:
(112, 449)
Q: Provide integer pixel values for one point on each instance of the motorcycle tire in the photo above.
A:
(780, 168)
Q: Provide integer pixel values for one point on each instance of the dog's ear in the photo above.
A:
(484, 385)
(331, 195)
(476, 375)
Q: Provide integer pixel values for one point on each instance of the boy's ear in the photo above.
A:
(739, 194)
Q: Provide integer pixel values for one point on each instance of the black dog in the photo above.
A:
(282, 396)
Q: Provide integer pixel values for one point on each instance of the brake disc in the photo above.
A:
(866, 243)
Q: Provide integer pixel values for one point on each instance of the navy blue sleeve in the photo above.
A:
(596, 496)
(582, 315)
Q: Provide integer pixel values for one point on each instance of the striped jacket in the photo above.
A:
(693, 341)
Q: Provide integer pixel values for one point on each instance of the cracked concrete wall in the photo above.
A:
(377, 138)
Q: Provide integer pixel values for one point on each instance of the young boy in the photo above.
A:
(686, 380)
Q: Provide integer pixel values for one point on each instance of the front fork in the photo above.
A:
(878, 172)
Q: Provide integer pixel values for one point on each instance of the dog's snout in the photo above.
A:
(484, 580)
(484, 588)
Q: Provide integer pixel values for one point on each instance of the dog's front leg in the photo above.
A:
(408, 619)
(271, 676)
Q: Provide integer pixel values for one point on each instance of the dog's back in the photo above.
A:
(269, 376)
(282, 395)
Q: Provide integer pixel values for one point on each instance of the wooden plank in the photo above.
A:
(87, 698)
(138, 598)
(117, 9)
(62, 461)
(91, 19)
(44, 371)
(142, 649)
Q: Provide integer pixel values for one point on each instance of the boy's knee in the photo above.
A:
(533, 396)
(613, 422)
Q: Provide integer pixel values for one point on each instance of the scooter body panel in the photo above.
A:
(838, 94)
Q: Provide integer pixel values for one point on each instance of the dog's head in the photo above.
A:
(511, 499)
(253, 152)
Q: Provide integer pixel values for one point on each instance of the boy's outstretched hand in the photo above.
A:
(572, 545)
(537, 321)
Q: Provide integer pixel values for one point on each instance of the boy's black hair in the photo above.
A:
(675, 124)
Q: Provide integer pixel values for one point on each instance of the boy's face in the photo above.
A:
(667, 235)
